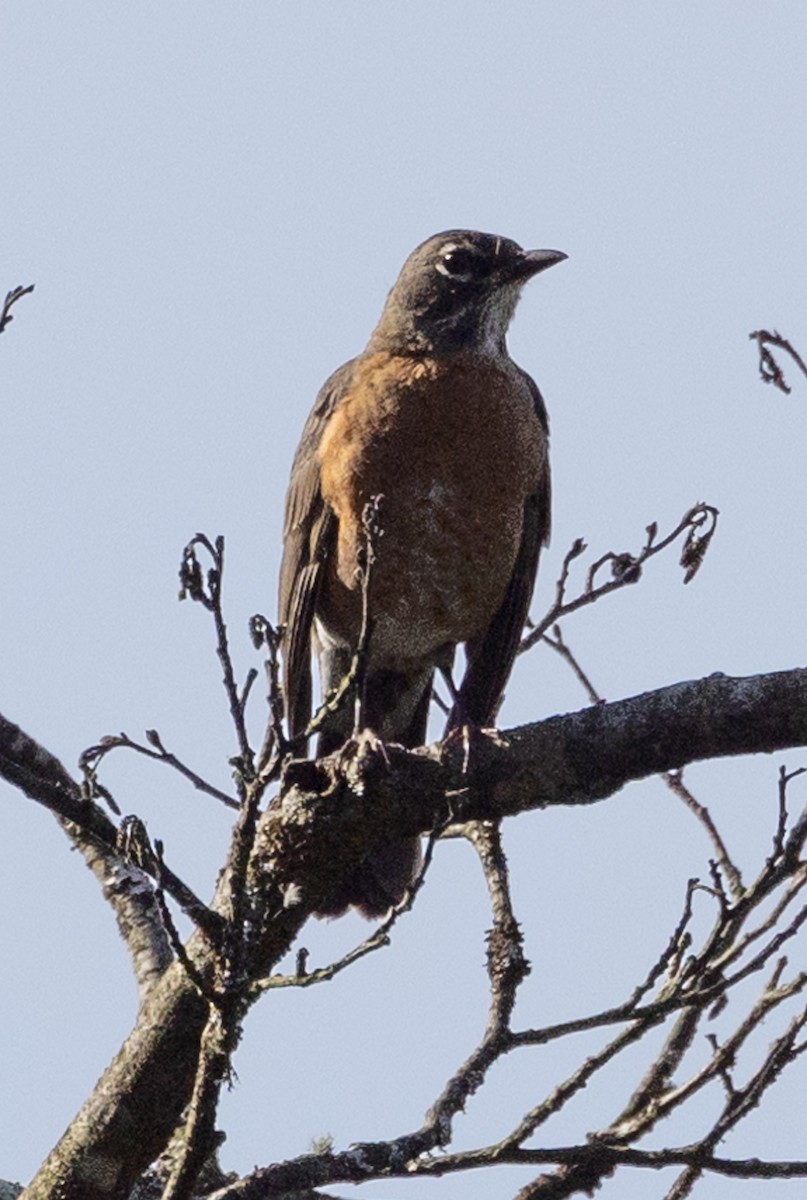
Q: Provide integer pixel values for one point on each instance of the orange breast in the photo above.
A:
(455, 447)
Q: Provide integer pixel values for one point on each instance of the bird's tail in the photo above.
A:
(379, 883)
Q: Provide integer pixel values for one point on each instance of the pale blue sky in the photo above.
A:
(212, 200)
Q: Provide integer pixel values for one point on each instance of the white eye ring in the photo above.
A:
(444, 269)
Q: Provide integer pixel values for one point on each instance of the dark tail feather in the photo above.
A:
(379, 883)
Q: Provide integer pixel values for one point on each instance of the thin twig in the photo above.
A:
(797, 883)
(264, 634)
(378, 939)
(230, 996)
(11, 299)
(93, 755)
(354, 680)
(172, 931)
(206, 590)
(675, 782)
(558, 644)
(133, 845)
(560, 1095)
(769, 369)
(373, 532)
(699, 525)
(785, 778)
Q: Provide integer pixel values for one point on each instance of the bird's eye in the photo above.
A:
(460, 264)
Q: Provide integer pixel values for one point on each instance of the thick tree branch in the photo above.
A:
(42, 777)
(576, 758)
(328, 819)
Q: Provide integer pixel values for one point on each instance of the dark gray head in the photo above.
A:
(458, 288)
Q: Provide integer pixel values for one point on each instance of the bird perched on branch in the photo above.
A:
(436, 417)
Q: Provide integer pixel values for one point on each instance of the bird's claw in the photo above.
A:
(469, 741)
(360, 754)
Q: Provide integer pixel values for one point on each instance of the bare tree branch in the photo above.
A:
(205, 589)
(675, 782)
(769, 369)
(40, 775)
(330, 815)
(11, 299)
(697, 526)
(94, 755)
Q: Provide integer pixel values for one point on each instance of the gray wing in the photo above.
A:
(308, 540)
(490, 657)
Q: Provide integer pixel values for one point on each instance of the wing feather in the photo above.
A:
(490, 656)
(308, 540)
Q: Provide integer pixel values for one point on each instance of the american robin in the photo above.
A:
(435, 416)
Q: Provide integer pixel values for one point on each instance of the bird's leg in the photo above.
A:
(460, 731)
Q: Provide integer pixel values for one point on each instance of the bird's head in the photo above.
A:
(458, 289)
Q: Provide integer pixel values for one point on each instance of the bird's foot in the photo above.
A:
(360, 756)
(468, 741)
